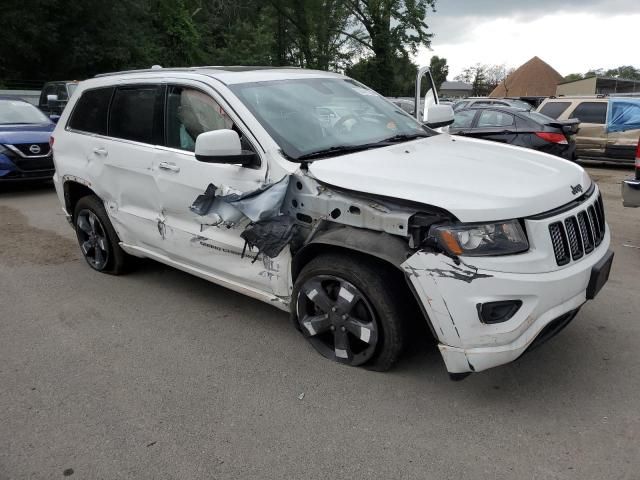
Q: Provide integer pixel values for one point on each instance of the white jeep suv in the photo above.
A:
(311, 192)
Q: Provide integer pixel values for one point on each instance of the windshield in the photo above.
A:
(311, 115)
(15, 111)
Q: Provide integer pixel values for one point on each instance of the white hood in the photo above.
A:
(475, 180)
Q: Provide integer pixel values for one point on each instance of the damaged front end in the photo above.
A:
(466, 307)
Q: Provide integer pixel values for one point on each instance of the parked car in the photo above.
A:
(24, 141)
(230, 174)
(485, 101)
(631, 186)
(604, 134)
(55, 95)
(406, 105)
(518, 127)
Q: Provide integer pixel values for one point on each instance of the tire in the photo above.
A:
(99, 242)
(348, 312)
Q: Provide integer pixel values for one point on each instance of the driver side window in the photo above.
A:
(191, 112)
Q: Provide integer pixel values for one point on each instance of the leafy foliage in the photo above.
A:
(57, 39)
(439, 70)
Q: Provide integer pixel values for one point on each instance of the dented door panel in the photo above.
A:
(129, 190)
(200, 240)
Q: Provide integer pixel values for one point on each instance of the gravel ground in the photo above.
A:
(158, 374)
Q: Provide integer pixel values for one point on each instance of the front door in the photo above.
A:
(190, 238)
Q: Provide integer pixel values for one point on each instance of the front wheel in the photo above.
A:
(347, 311)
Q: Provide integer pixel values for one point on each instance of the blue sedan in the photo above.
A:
(25, 153)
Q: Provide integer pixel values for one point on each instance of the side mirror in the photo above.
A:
(440, 116)
(52, 98)
(223, 146)
(54, 118)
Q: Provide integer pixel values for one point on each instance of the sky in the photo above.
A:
(570, 35)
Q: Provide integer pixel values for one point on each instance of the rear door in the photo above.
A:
(128, 154)
(591, 139)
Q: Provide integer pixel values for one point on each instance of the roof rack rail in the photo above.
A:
(155, 68)
(226, 68)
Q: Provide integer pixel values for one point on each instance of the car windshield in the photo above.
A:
(333, 115)
(18, 112)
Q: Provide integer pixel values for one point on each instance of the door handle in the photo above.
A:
(101, 152)
(172, 167)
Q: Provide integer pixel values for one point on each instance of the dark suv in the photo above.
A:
(55, 95)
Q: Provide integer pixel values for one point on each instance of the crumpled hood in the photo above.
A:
(15, 134)
(475, 180)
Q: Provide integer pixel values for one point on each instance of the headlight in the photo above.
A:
(475, 240)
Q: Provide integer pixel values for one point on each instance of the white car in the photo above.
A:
(351, 225)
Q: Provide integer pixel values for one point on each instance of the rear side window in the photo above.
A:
(591, 112)
(493, 118)
(463, 119)
(90, 112)
(136, 114)
(554, 109)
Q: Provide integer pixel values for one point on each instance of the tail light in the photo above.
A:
(51, 140)
(553, 137)
(638, 161)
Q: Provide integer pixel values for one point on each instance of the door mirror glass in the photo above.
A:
(222, 146)
(439, 116)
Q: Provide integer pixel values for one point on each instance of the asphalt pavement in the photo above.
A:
(158, 374)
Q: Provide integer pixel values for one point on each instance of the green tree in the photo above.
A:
(627, 72)
(439, 70)
(388, 29)
(573, 76)
(476, 75)
(314, 31)
(400, 84)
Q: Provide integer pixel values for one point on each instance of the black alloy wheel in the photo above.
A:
(337, 319)
(93, 239)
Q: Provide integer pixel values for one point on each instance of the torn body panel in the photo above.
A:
(451, 294)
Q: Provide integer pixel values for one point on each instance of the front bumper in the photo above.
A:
(631, 193)
(450, 295)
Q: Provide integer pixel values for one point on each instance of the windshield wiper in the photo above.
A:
(403, 137)
(340, 149)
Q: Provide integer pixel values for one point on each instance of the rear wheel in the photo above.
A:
(347, 312)
(97, 238)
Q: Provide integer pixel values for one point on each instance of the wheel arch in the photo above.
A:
(73, 191)
(382, 246)
(387, 250)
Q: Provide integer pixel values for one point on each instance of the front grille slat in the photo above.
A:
(595, 225)
(585, 231)
(578, 235)
(560, 244)
(573, 236)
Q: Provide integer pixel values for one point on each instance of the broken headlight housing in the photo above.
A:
(476, 240)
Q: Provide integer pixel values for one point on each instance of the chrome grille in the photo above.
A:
(578, 235)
